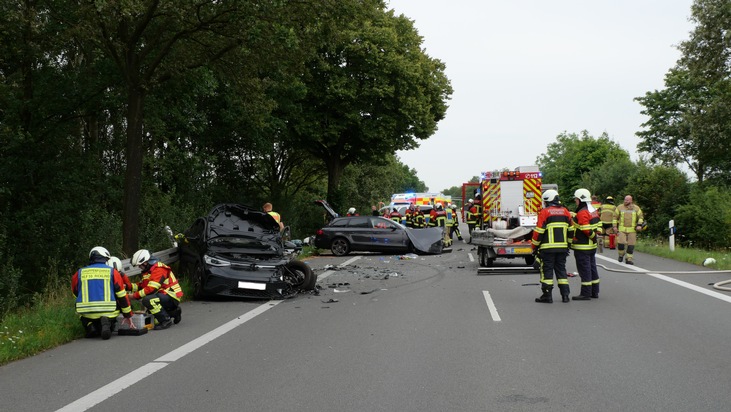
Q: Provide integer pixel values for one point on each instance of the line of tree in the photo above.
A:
(118, 118)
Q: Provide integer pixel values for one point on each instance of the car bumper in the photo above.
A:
(246, 283)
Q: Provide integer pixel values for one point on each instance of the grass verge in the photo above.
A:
(683, 254)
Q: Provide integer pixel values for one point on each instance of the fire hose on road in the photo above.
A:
(717, 285)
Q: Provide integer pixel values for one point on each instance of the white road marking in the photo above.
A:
(686, 285)
(472, 258)
(144, 371)
(112, 388)
(491, 306)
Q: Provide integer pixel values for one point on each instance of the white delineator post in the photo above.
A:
(671, 241)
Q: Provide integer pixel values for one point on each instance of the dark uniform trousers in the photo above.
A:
(554, 263)
(586, 264)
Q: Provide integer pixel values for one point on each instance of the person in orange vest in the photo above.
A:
(100, 295)
(158, 290)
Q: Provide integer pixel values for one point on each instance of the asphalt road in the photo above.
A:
(424, 334)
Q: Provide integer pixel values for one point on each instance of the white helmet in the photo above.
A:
(351, 210)
(550, 196)
(140, 257)
(583, 195)
(470, 201)
(439, 206)
(100, 250)
(115, 263)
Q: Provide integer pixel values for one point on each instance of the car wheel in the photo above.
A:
(340, 247)
(198, 283)
(299, 275)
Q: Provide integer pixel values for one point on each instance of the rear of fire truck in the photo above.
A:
(511, 201)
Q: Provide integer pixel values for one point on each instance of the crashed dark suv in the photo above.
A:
(238, 251)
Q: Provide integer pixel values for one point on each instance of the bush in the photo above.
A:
(703, 222)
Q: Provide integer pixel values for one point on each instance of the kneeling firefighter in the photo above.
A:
(159, 289)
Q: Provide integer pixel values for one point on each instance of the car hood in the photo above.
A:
(239, 230)
(427, 240)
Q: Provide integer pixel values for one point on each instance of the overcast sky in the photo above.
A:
(524, 71)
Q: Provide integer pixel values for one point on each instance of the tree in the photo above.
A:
(690, 120)
(371, 90)
(153, 41)
(572, 156)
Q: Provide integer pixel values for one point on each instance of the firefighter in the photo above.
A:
(470, 216)
(627, 221)
(606, 214)
(100, 295)
(419, 220)
(351, 212)
(550, 243)
(438, 217)
(478, 210)
(454, 228)
(584, 244)
(409, 216)
(159, 289)
(395, 215)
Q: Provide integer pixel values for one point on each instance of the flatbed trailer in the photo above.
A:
(506, 244)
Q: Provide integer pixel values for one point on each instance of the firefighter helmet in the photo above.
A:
(609, 200)
(115, 263)
(470, 201)
(101, 251)
(439, 206)
(550, 196)
(140, 257)
(583, 195)
(351, 211)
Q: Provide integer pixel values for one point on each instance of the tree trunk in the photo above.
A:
(133, 174)
(334, 174)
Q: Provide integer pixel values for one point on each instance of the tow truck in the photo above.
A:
(511, 201)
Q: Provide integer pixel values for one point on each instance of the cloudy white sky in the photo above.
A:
(524, 71)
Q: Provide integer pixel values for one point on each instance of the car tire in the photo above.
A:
(340, 246)
(197, 282)
(301, 275)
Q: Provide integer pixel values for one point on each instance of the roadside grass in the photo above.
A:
(51, 321)
(685, 254)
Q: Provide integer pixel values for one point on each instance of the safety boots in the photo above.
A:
(545, 297)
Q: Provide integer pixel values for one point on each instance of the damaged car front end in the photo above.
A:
(238, 251)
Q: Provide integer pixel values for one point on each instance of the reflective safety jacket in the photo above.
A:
(99, 291)
(158, 279)
(471, 215)
(409, 217)
(626, 218)
(455, 218)
(606, 213)
(554, 229)
(419, 220)
(586, 226)
(438, 218)
(395, 216)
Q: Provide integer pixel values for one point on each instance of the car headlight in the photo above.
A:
(212, 261)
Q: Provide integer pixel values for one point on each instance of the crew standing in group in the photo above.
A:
(628, 220)
(584, 244)
(100, 295)
(551, 246)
